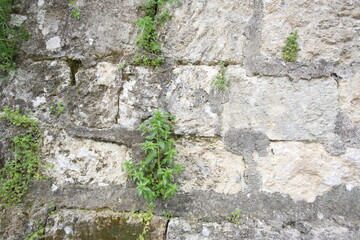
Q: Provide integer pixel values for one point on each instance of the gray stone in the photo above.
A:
(241, 141)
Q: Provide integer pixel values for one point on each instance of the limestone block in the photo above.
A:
(208, 166)
(98, 90)
(349, 91)
(101, 225)
(305, 171)
(327, 29)
(188, 97)
(207, 31)
(139, 95)
(101, 30)
(35, 85)
(83, 161)
(280, 108)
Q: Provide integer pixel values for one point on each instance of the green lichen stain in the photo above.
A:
(115, 228)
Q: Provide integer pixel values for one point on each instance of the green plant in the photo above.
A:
(167, 215)
(58, 109)
(146, 41)
(221, 82)
(145, 218)
(154, 176)
(16, 175)
(10, 37)
(38, 234)
(75, 11)
(235, 217)
(291, 48)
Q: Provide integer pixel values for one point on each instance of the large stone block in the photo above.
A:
(208, 166)
(327, 29)
(83, 161)
(280, 108)
(305, 171)
(98, 90)
(188, 97)
(101, 30)
(100, 225)
(207, 31)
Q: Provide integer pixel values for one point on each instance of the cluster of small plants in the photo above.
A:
(221, 82)
(57, 109)
(75, 11)
(291, 48)
(147, 41)
(235, 217)
(155, 175)
(38, 234)
(145, 218)
(16, 175)
(10, 37)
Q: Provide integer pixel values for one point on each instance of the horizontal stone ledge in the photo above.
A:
(116, 134)
(260, 65)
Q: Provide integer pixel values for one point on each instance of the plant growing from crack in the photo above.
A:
(75, 11)
(16, 175)
(221, 82)
(147, 41)
(291, 48)
(235, 217)
(155, 175)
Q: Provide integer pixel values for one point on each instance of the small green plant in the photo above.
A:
(167, 215)
(58, 109)
(10, 37)
(235, 217)
(16, 175)
(155, 175)
(145, 218)
(75, 11)
(147, 40)
(291, 48)
(38, 234)
(221, 82)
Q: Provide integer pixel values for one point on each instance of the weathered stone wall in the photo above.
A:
(282, 144)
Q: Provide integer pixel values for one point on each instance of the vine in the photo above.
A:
(10, 37)
(17, 174)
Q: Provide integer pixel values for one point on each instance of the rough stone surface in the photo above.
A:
(194, 37)
(188, 97)
(306, 171)
(180, 229)
(349, 96)
(57, 34)
(98, 90)
(327, 29)
(278, 108)
(84, 161)
(209, 166)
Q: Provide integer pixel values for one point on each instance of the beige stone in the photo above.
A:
(188, 99)
(327, 29)
(280, 108)
(349, 96)
(305, 171)
(84, 161)
(208, 166)
(207, 31)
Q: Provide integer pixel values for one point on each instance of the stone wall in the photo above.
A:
(281, 144)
